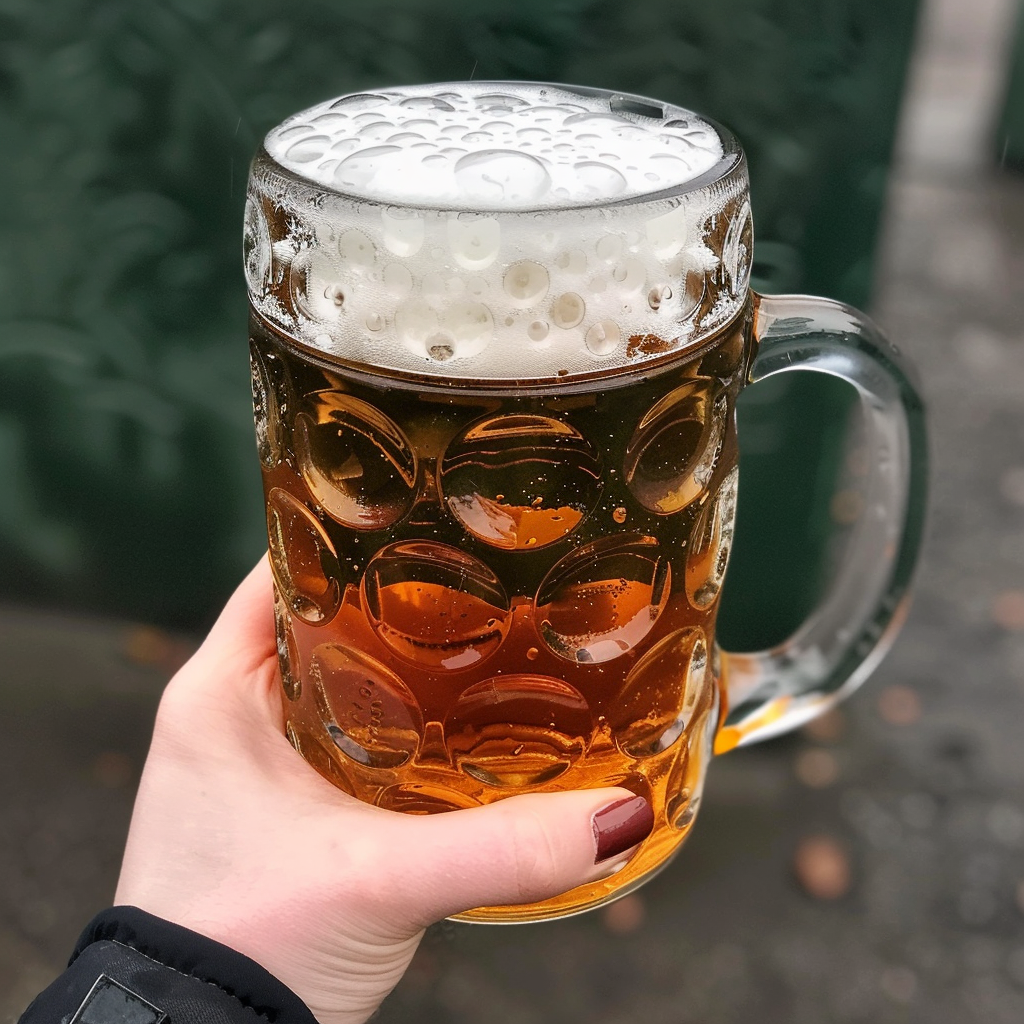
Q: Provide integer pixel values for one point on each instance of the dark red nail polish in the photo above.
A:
(621, 825)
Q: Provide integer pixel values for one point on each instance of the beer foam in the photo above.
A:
(497, 231)
(478, 146)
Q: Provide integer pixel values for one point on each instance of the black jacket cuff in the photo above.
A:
(150, 969)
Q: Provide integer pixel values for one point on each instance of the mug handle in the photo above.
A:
(843, 640)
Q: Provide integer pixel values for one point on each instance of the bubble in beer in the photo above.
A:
(287, 651)
(520, 482)
(356, 462)
(567, 310)
(518, 730)
(603, 338)
(601, 600)
(434, 605)
(670, 457)
(661, 694)
(526, 283)
(368, 711)
(474, 241)
(375, 322)
(501, 175)
(308, 149)
(303, 558)
(712, 542)
(403, 231)
(256, 248)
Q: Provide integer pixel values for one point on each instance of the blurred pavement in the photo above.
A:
(869, 869)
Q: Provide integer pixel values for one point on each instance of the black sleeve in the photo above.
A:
(132, 968)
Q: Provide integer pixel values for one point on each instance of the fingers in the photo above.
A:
(244, 630)
(520, 850)
(238, 658)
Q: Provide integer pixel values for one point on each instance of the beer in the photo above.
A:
(495, 420)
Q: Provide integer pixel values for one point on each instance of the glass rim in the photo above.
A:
(732, 158)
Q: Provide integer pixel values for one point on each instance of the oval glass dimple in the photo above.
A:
(434, 605)
(287, 651)
(712, 542)
(266, 406)
(356, 462)
(318, 756)
(303, 558)
(368, 711)
(672, 453)
(517, 730)
(661, 694)
(601, 600)
(423, 798)
(256, 251)
(519, 482)
(526, 283)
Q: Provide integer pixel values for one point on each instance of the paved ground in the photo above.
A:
(870, 869)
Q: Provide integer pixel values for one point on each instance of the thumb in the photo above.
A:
(519, 850)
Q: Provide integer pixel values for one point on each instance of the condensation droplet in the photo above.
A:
(619, 515)
(375, 322)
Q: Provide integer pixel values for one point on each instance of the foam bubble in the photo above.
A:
(473, 148)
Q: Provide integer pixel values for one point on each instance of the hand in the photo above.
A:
(236, 837)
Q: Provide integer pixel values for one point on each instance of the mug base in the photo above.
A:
(578, 900)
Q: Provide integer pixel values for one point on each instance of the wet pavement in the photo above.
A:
(870, 868)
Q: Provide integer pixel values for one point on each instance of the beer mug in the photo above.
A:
(497, 333)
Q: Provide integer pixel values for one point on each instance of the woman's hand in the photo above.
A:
(236, 837)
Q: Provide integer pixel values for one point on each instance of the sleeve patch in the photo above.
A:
(110, 1002)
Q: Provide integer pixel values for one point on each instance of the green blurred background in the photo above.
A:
(128, 475)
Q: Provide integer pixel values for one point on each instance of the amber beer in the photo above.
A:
(496, 429)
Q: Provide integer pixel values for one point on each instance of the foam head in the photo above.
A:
(497, 230)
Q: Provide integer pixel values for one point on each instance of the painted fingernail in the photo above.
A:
(621, 825)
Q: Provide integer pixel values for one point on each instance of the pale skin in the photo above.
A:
(236, 837)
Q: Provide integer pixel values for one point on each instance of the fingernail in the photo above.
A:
(621, 825)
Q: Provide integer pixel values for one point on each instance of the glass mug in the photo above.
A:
(497, 334)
